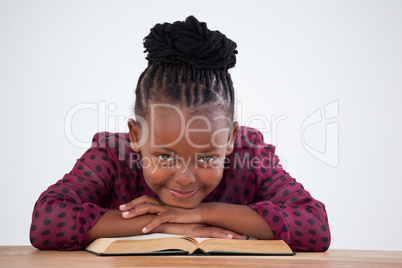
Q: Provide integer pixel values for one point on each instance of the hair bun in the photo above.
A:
(190, 42)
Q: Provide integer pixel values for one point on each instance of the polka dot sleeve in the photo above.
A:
(292, 213)
(66, 211)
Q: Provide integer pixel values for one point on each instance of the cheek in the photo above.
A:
(154, 175)
(210, 177)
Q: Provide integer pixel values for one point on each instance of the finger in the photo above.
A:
(239, 236)
(207, 231)
(222, 233)
(159, 219)
(219, 234)
(144, 209)
(229, 234)
(234, 234)
(138, 201)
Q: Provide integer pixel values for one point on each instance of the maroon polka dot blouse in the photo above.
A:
(109, 174)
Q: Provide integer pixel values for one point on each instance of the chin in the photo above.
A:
(181, 204)
(190, 206)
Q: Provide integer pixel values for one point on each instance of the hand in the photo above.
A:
(165, 214)
(198, 230)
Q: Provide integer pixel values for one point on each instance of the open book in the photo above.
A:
(154, 244)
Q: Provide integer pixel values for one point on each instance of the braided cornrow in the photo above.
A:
(187, 65)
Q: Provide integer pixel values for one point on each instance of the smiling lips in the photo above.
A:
(181, 194)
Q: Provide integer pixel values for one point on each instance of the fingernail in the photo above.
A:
(230, 236)
(144, 230)
(122, 206)
(125, 213)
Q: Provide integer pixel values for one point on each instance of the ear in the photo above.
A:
(232, 137)
(134, 135)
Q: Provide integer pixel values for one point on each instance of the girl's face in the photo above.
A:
(183, 152)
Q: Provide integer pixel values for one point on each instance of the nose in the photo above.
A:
(184, 176)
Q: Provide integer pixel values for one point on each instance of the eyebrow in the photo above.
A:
(171, 150)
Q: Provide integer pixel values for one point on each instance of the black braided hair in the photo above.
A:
(187, 66)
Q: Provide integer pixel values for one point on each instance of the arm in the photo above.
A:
(289, 211)
(238, 218)
(67, 210)
(112, 224)
(292, 213)
(83, 206)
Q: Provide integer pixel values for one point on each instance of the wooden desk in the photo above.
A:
(27, 256)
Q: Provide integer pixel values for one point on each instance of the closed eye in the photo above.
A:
(165, 157)
(207, 159)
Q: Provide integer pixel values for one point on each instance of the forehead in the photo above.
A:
(197, 126)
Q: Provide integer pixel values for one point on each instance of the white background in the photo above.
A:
(294, 58)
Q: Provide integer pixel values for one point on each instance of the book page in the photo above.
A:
(160, 235)
(146, 236)
(246, 246)
(200, 239)
(149, 243)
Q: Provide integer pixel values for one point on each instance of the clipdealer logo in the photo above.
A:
(322, 124)
(328, 122)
